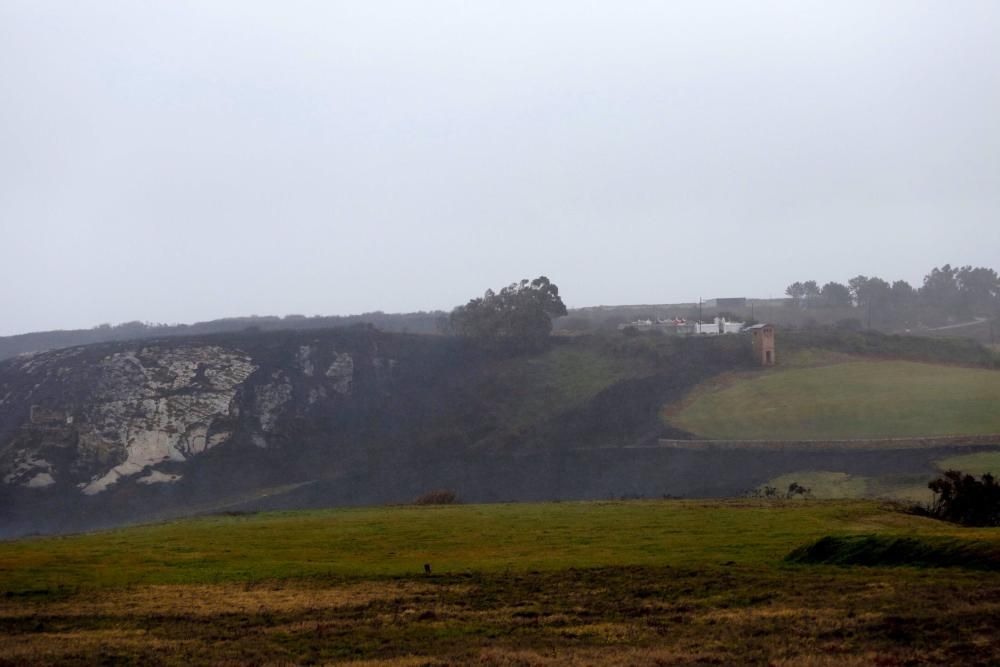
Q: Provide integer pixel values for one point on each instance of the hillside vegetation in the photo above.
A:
(326, 418)
(627, 583)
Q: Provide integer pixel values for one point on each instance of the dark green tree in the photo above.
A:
(796, 290)
(836, 295)
(857, 285)
(941, 289)
(979, 291)
(810, 294)
(867, 291)
(520, 314)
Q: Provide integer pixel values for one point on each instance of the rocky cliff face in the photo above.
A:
(148, 406)
(89, 419)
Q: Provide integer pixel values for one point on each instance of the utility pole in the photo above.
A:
(699, 310)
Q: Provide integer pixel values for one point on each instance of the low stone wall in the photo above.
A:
(832, 445)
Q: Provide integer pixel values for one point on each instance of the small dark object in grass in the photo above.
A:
(427, 568)
(442, 497)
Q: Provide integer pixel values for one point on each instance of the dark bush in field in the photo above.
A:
(442, 497)
(963, 499)
(887, 550)
(771, 492)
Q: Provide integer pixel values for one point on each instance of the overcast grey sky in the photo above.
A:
(186, 160)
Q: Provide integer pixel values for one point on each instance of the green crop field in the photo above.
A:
(857, 399)
(630, 583)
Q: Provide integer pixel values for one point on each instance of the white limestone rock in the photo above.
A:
(305, 360)
(341, 371)
(316, 394)
(270, 398)
(30, 471)
(159, 405)
(40, 481)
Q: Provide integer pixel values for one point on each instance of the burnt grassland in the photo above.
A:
(636, 583)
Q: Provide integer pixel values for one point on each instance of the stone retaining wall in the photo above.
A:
(827, 445)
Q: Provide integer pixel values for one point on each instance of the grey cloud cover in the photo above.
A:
(180, 161)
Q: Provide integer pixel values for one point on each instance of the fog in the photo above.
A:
(182, 161)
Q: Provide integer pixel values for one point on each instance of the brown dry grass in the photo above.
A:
(211, 600)
(608, 616)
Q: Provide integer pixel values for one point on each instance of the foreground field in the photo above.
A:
(667, 582)
(857, 399)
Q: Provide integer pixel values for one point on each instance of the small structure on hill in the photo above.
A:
(683, 327)
(763, 343)
(719, 326)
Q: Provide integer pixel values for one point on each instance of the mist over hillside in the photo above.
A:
(114, 432)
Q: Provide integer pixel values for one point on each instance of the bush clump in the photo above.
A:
(887, 550)
(961, 498)
(442, 497)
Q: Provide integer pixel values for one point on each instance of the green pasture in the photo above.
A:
(601, 583)
(857, 399)
(398, 541)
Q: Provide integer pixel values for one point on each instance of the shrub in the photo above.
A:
(890, 550)
(442, 497)
(771, 492)
(961, 498)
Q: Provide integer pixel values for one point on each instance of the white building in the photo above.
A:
(680, 326)
(718, 326)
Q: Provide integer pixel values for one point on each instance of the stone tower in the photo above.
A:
(763, 344)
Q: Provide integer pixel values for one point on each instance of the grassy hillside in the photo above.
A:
(535, 388)
(859, 399)
(636, 583)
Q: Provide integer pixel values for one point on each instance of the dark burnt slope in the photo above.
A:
(115, 432)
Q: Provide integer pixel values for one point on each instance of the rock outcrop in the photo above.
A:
(137, 409)
(91, 418)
